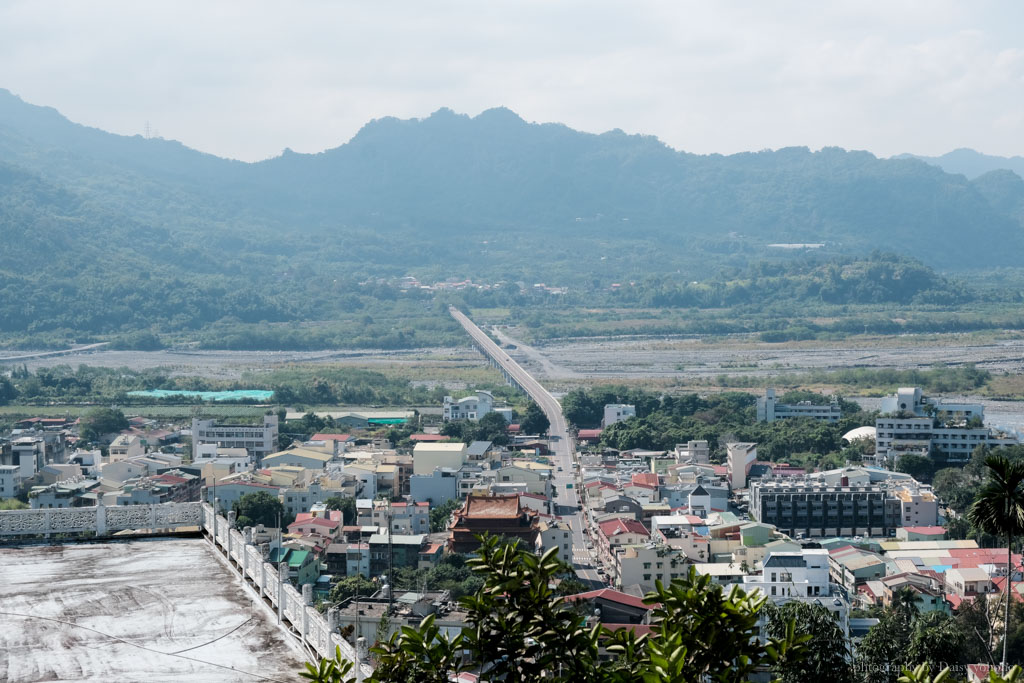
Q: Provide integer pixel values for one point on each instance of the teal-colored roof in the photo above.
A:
(297, 558)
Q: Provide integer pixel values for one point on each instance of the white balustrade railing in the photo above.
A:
(99, 520)
(291, 605)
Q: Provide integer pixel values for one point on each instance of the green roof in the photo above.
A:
(385, 421)
(296, 558)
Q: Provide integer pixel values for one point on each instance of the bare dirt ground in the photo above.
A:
(230, 364)
(688, 359)
(150, 610)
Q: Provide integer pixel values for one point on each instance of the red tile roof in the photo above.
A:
(427, 437)
(319, 522)
(645, 479)
(611, 595)
(320, 436)
(589, 434)
(614, 527)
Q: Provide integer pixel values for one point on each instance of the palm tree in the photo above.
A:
(904, 601)
(999, 509)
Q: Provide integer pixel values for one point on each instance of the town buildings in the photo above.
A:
(259, 440)
(769, 410)
(496, 515)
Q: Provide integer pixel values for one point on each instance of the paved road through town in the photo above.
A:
(562, 446)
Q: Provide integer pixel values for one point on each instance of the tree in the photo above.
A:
(885, 645)
(7, 391)
(99, 421)
(351, 586)
(519, 631)
(259, 508)
(441, 515)
(346, 505)
(534, 421)
(939, 640)
(828, 652)
(999, 509)
(491, 427)
(920, 467)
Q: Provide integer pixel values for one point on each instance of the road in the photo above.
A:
(562, 447)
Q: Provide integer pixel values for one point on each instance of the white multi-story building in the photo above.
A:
(406, 518)
(258, 440)
(740, 458)
(697, 452)
(125, 446)
(556, 534)
(769, 410)
(29, 454)
(642, 565)
(470, 407)
(617, 412)
(10, 481)
(801, 575)
(914, 424)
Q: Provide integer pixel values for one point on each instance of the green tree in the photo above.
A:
(519, 631)
(7, 391)
(939, 640)
(885, 646)
(491, 427)
(441, 515)
(259, 508)
(99, 421)
(999, 509)
(920, 467)
(351, 586)
(534, 421)
(346, 505)
(828, 651)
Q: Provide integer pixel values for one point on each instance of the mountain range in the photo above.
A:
(150, 221)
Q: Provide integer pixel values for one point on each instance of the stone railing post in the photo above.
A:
(101, 517)
(152, 519)
(231, 525)
(282, 576)
(263, 580)
(216, 509)
(307, 600)
(359, 649)
(333, 620)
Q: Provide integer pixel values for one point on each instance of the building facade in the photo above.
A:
(810, 509)
(769, 410)
(258, 440)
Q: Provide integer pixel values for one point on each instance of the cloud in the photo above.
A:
(246, 80)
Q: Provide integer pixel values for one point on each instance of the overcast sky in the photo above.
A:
(247, 79)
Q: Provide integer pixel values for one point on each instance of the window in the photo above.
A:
(773, 590)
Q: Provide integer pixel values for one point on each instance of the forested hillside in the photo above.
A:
(112, 236)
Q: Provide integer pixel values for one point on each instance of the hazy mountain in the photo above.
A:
(971, 163)
(451, 174)
(106, 232)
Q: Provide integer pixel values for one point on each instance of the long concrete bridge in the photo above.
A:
(566, 479)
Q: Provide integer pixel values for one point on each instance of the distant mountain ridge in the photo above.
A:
(970, 163)
(496, 177)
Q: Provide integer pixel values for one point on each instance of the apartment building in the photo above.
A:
(810, 508)
(258, 440)
(617, 412)
(469, 407)
(770, 410)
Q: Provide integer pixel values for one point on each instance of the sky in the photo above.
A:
(247, 79)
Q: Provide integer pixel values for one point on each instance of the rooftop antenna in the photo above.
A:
(148, 131)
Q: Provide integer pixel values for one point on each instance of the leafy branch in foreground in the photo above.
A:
(518, 630)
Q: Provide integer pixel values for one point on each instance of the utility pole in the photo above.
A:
(391, 562)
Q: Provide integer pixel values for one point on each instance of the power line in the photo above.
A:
(148, 649)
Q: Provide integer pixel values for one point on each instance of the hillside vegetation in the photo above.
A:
(147, 242)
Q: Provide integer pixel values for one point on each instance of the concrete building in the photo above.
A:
(63, 494)
(125, 446)
(914, 424)
(426, 457)
(639, 566)
(10, 481)
(804, 576)
(740, 458)
(308, 458)
(696, 452)
(556, 534)
(437, 488)
(809, 508)
(536, 480)
(258, 440)
(769, 410)
(468, 408)
(969, 582)
(174, 486)
(617, 412)
(29, 454)
(406, 518)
